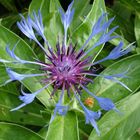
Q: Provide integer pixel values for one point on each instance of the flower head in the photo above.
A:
(67, 69)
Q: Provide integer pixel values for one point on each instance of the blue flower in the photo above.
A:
(67, 68)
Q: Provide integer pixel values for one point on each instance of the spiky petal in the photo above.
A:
(59, 108)
(26, 27)
(66, 19)
(27, 98)
(98, 27)
(19, 77)
(90, 115)
(105, 103)
(116, 53)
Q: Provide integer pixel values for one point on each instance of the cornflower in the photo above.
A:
(67, 68)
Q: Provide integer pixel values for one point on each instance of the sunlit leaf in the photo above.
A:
(10, 131)
(120, 126)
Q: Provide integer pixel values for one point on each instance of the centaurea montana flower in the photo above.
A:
(67, 68)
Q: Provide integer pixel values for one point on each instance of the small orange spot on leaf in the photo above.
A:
(89, 102)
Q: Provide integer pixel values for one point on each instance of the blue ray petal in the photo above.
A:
(26, 27)
(113, 78)
(18, 60)
(12, 54)
(19, 77)
(37, 23)
(90, 116)
(116, 53)
(105, 103)
(121, 83)
(97, 28)
(13, 75)
(103, 39)
(28, 98)
(59, 108)
(18, 107)
(66, 18)
(4, 61)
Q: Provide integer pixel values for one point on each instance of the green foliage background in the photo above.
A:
(31, 122)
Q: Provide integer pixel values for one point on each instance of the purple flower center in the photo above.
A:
(65, 67)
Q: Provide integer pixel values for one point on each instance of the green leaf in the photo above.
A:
(107, 88)
(81, 34)
(10, 21)
(10, 131)
(11, 88)
(120, 126)
(43, 132)
(26, 53)
(116, 41)
(136, 136)
(7, 37)
(63, 128)
(9, 5)
(125, 23)
(29, 115)
(81, 9)
(137, 28)
(131, 4)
